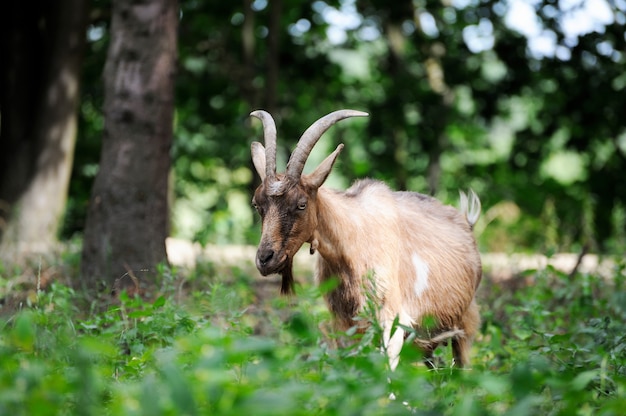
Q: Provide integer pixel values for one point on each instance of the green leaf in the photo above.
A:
(98, 347)
(24, 332)
(522, 333)
(159, 302)
(582, 380)
(139, 314)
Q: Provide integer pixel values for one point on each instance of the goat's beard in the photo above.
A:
(287, 286)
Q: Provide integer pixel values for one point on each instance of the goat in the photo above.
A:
(421, 255)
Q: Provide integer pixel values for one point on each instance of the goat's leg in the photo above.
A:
(460, 351)
(462, 345)
(392, 344)
(429, 360)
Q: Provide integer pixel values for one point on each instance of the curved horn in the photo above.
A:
(310, 137)
(269, 138)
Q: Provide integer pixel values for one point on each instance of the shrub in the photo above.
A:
(556, 346)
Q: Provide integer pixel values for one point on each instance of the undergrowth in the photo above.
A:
(553, 346)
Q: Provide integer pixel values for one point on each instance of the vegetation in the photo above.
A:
(209, 344)
(458, 95)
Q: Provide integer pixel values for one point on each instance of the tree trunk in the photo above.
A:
(127, 219)
(42, 48)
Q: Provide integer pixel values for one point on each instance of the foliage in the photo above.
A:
(458, 96)
(551, 344)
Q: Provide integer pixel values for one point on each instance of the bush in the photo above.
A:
(555, 346)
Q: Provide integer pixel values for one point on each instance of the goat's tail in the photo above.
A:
(470, 207)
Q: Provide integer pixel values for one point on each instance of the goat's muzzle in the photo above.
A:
(268, 261)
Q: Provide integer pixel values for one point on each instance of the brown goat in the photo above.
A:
(415, 257)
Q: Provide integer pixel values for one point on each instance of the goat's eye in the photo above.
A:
(255, 205)
(302, 205)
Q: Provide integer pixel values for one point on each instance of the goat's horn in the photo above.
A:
(269, 138)
(312, 135)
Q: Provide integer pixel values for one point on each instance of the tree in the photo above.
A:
(127, 219)
(42, 49)
(456, 97)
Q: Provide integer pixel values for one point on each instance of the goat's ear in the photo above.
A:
(258, 158)
(319, 175)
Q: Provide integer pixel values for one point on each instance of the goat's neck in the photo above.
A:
(337, 228)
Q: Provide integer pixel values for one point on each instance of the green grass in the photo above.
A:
(550, 344)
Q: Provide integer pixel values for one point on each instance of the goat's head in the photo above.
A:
(287, 202)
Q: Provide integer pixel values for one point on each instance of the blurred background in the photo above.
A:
(521, 100)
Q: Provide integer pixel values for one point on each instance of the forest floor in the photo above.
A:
(195, 266)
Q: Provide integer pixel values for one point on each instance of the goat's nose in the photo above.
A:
(265, 255)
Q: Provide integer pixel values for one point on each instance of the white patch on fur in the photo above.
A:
(421, 274)
(276, 188)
